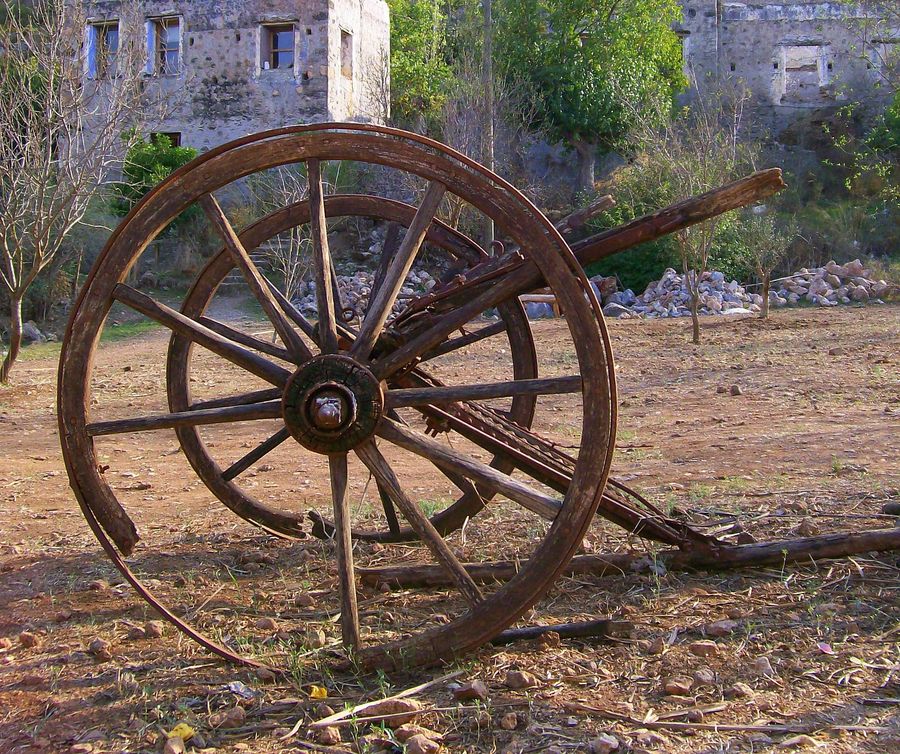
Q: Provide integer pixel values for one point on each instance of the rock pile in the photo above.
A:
(355, 290)
(669, 297)
(831, 285)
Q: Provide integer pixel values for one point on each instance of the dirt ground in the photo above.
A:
(810, 659)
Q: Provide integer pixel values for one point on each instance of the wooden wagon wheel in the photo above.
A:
(336, 395)
(223, 482)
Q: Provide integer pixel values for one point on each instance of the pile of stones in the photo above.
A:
(355, 290)
(831, 285)
(669, 297)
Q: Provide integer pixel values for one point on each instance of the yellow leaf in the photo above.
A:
(318, 692)
(182, 731)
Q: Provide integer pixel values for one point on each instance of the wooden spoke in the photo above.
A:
(438, 332)
(391, 242)
(384, 297)
(444, 456)
(337, 464)
(423, 396)
(245, 339)
(376, 463)
(387, 504)
(293, 314)
(328, 340)
(268, 410)
(255, 280)
(265, 447)
(257, 396)
(468, 339)
(189, 328)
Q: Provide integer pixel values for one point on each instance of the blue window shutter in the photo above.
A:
(91, 58)
(151, 47)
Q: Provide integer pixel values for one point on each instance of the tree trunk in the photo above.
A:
(764, 309)
(587, 158)
(695, 316)
(15, 337)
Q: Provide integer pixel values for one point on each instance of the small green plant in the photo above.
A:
(700, 492)
(148, 163)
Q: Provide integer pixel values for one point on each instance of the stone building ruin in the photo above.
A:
(795, 56)
(228, 68)
(232, 67)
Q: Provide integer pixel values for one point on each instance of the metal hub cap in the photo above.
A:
(332, 404)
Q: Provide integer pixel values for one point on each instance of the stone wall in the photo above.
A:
(224, 86)
(794, 56)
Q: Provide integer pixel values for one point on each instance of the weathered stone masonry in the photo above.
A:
(794, 56)
(233, 67)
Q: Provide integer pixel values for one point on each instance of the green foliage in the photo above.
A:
(643, 263)
(148, 163)
(17, 10)
(591, 64)
(885, 137)
(646, 262)
(420, 73)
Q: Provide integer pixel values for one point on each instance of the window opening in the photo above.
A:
(103, 46)
(278, 47)
(346, 54)
(167, 44)
(174, 137)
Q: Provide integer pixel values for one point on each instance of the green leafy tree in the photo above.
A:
(766, 239)
(420, 73)
(885, 137)
(146, 164)
(593, 66)
(697, 150)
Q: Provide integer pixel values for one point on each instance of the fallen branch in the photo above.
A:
(602, 628)
(360, 708)
(806, 549)
(797, 728)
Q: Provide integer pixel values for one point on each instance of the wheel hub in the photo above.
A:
(332, 404)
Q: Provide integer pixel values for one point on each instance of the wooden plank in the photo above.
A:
(376, 463)
(224, 347)
(423, 396)
(446, 457)
(468, 339)
(257, 396)
(776, 553)
(337, 464)
(226, 415)
(245, 339)
(328, 340)
(384, 297)
(259, 452)
(254, 278)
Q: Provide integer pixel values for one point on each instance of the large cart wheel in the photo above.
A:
(341, 394)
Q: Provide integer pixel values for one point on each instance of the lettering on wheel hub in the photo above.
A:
(332, 404)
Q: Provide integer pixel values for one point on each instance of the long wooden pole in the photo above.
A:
(487, 81)
(806, 549)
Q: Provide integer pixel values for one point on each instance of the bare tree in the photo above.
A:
(67, 111)
(286, 254)
(699, 148)
(766, 242)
